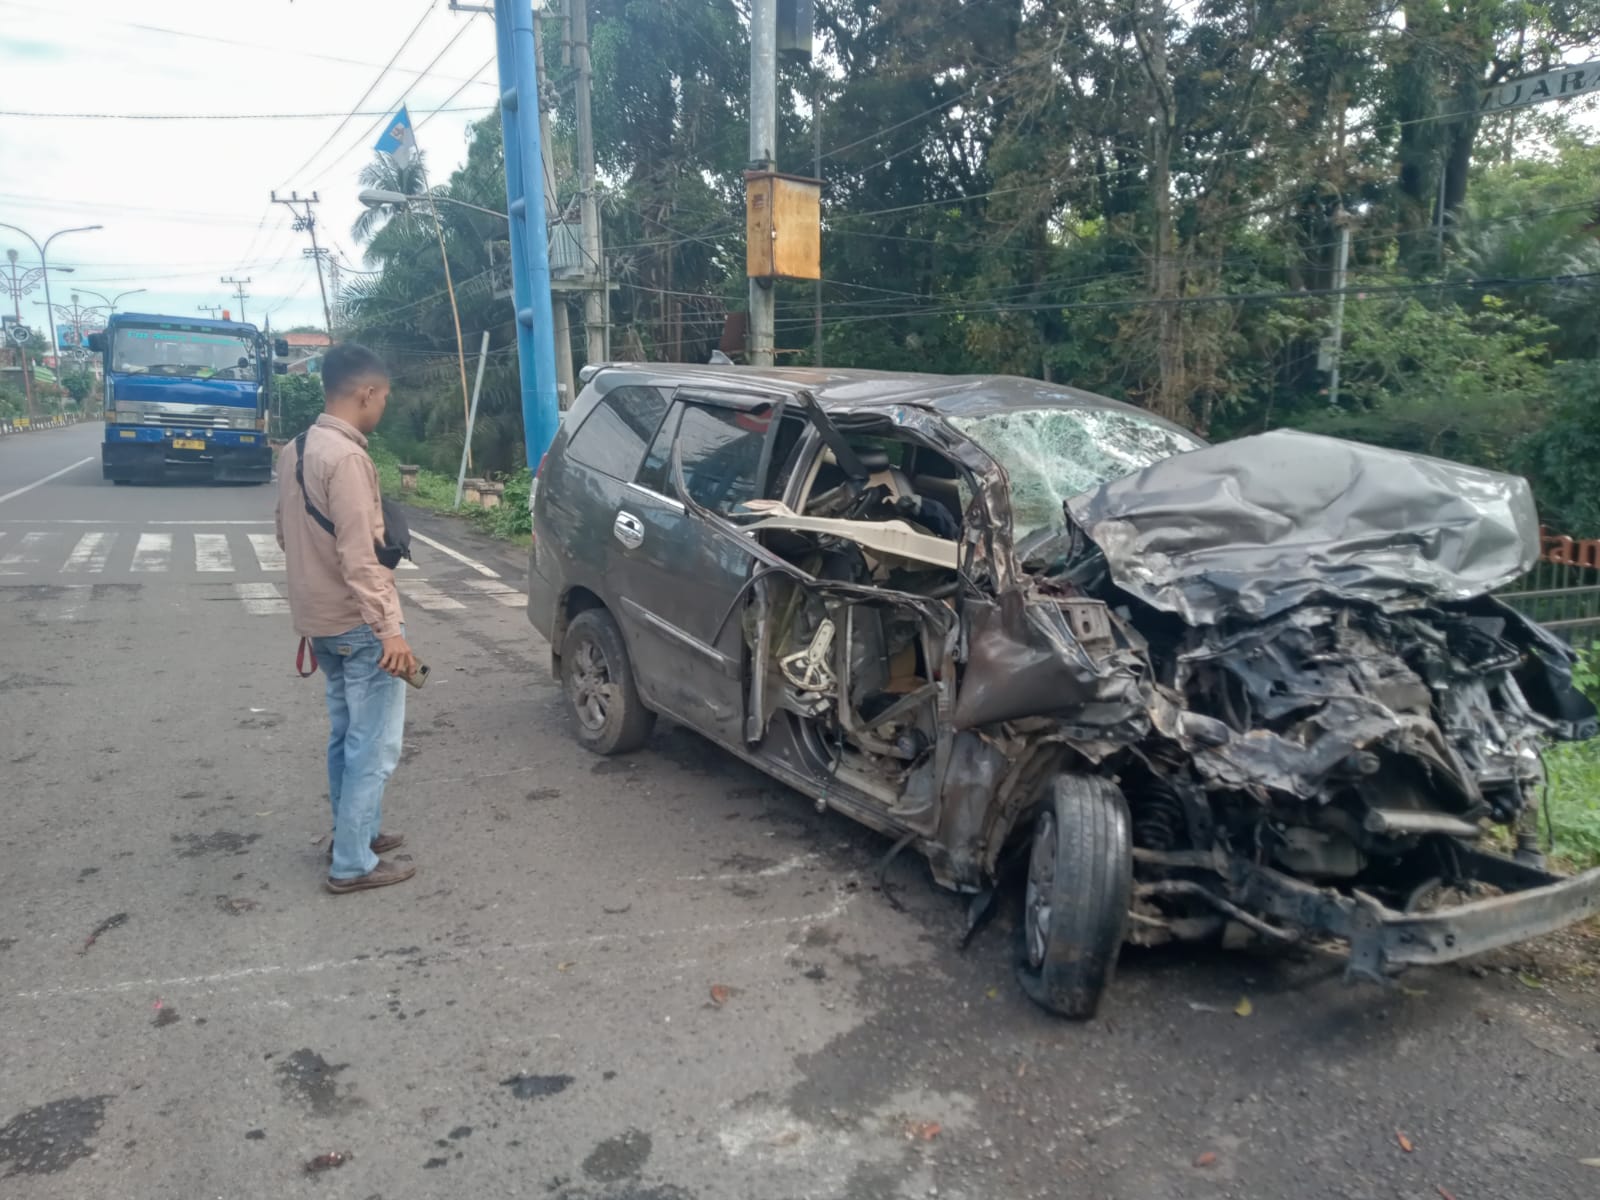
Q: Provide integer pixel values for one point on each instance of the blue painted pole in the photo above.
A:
(530, 253)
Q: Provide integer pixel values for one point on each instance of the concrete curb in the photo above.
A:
(14, 425)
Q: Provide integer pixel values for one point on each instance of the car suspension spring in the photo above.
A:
(1158, 824)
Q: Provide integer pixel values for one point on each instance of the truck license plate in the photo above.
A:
(188, 444)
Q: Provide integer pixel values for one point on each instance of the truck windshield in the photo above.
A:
(184, 352)
(1052, 454)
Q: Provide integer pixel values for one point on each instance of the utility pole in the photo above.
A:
(763, 156)
(211, 310)
(1336, 337)
(561, 331)
(243, 295)
(305, 221)
(530, 251)
(594, 318)
(816, 172)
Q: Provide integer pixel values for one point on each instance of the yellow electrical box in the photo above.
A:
(783, 226)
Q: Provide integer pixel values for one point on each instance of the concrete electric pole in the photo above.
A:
(305, 221)
(238, 285)
(594, 317)
(763, 157)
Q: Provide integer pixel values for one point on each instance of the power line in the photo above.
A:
(197, 116)
(1350, 293)
(371, 87)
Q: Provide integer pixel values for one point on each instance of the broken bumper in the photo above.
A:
(1533, 903)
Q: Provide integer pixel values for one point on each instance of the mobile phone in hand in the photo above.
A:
(418, 677)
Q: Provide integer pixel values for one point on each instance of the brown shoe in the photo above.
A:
(382, 875)
(381, 844)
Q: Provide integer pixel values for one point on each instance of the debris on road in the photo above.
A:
(923, 1131)
(719, 994)
(106, 926)
(1405, 1142)
(1206, 1159)
(328, 1161)
(1244, 1008)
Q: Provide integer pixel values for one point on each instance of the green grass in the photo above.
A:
(1574, 772)
(437, 493)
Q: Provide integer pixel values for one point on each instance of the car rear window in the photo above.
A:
(613, 436)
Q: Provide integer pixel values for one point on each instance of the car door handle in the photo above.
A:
(628, 530)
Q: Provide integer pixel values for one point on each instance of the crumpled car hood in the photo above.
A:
(1255, 527)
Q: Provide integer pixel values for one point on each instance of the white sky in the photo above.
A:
(185, 202)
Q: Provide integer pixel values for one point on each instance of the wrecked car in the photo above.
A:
(1182, 690)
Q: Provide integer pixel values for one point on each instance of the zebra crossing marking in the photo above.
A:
(153, 552)
(89, 555)
(268, 553)
(211, 553)
(26, 554)
(261, 599)
(429, 597)
(501, 591)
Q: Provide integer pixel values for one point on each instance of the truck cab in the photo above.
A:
(185, 398)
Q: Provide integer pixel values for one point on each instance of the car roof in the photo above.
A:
(849, 390)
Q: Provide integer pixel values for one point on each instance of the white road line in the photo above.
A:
(429, 597)
(89, 555)
(261, 599)
(696, 933)
(503, 592)
(12, 495)
(457, 555)
(211, 553)
(153, 553)
(25, 555)
(407, 565)
(267, 551)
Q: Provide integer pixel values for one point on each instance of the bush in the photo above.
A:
(298, 401)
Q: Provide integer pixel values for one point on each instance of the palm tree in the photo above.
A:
(386, 175)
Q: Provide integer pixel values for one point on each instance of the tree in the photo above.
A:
(387, 175)
(79, 383)
(299, 400)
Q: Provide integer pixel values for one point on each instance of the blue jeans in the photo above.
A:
(367, 711)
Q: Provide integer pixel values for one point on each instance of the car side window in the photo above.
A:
(613, 437)
(721, 450)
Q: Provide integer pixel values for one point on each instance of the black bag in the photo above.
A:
(396, 542)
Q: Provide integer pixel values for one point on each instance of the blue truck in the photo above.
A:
(185, 398)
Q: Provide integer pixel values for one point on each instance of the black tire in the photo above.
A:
(1079, 889)
(597, 679)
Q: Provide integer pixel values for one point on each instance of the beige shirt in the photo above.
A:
(335, 582)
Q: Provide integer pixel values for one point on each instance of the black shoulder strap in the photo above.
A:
(300, 478)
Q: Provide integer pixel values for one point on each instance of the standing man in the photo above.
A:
(341, 597)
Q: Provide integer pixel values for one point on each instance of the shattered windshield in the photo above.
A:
(1052, 454)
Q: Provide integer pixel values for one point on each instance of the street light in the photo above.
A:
(44, 267)
(377, 198)
(115, 300)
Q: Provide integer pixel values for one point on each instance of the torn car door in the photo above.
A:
(680, 577)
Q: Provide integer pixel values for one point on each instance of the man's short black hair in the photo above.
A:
(348, 363)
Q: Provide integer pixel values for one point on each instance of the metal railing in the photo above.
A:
(1562, 592)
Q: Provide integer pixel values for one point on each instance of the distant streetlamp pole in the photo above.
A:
(44, 268)
(16, 287)
(115, 300)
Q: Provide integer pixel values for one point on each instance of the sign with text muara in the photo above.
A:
(1564, 83)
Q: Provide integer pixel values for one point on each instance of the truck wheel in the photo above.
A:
(598, 680)
(1079, 888)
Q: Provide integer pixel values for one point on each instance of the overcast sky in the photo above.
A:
(185, 202)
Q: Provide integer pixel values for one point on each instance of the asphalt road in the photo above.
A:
(656, 978)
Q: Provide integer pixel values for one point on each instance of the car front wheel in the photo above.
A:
(1078, 891)
(598, 681)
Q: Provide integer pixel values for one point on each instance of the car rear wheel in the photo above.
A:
(1078, 891)
(598, 681)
